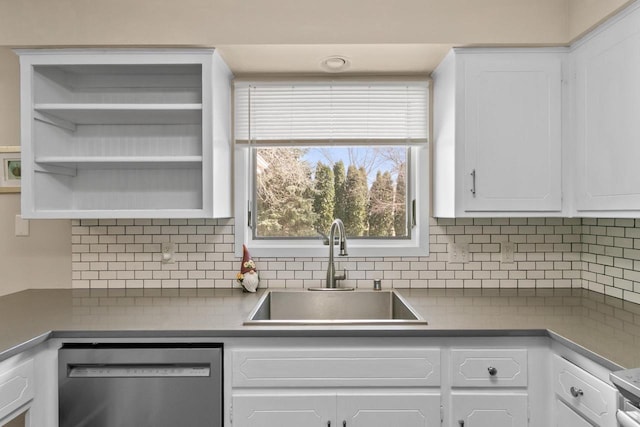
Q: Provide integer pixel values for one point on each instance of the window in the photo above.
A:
(309, 152)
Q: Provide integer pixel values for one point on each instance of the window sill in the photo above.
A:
(271, 249)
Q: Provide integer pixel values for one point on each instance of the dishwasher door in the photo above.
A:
(139, 385)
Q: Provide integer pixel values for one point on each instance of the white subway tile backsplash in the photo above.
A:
(597, 254)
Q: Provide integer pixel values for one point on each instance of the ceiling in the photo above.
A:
(294, 36)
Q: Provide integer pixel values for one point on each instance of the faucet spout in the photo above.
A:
(332, 277)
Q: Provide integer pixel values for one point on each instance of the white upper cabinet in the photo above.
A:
(125, 133)
(607, 125)
(498, 133)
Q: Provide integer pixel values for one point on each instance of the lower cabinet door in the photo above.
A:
(489, 410)
(567, 417)
(284, 410)
(388, 410)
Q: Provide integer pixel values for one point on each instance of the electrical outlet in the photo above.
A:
(21, 226)
(168, 252)
(459, 253)
(507, 249)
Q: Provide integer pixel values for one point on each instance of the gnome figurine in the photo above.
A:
(248, 276)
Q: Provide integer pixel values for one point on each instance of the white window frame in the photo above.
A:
(417, 214)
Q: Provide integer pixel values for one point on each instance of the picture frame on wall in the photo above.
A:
(10, 169)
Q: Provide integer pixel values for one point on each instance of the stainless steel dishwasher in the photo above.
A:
(138, 385)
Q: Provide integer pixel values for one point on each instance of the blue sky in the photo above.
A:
(366, 156)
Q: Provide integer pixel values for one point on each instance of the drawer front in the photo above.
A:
(593, 398)
(492, 409)
(296, 367)
(16, 387)
(489, 367)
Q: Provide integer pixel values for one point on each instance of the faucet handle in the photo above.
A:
(342, 276)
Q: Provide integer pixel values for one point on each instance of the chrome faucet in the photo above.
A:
(332, 277)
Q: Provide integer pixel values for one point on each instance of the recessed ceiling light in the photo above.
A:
(335, 64)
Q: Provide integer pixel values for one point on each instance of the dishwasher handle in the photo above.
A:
(159, 370)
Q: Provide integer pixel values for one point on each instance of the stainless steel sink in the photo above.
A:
(333, 308)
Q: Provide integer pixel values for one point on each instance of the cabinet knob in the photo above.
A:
(344, 423)
(461, 423)
(492, 371)
(576, 392)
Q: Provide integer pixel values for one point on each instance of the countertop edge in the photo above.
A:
(309, 332)
(27, 345)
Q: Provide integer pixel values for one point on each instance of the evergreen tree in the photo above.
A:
(339, 179)
(356, 198)
(381, 206)
(324, 198)
(284, 194)
(400, 214)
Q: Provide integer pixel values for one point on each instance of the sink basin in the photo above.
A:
(333, 308)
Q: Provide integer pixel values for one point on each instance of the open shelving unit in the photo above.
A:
(125, 133)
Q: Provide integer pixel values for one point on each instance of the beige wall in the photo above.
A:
(216, 22)
(9, 98)
(585, 14)
(42, 260)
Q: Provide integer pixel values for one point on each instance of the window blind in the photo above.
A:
(321, 112)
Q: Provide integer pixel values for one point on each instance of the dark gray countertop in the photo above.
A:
(605, 328)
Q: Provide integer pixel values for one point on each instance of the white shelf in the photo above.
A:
(121, 213)
(121, 162)
(121, 133)
(100, 114)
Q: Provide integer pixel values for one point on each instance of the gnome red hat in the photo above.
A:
(248, 264)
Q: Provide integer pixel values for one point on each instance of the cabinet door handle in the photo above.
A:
(344, 423)
(461, 422)
(473, 182)
(328, 423)
(492, 371)
(576, 392)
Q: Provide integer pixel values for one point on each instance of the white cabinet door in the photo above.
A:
(512, 132)
(386, 409)
(607, 128)
(498, 133)
(489, 410)
(567, 417)
(284, 410)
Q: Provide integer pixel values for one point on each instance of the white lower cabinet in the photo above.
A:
(302, 385)
(17, 387)
(325, 409)
(567, 417)
(583, 394)
(388, 409)
(274, 409)
(28, 388)
(489, 387)
(499, 409)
